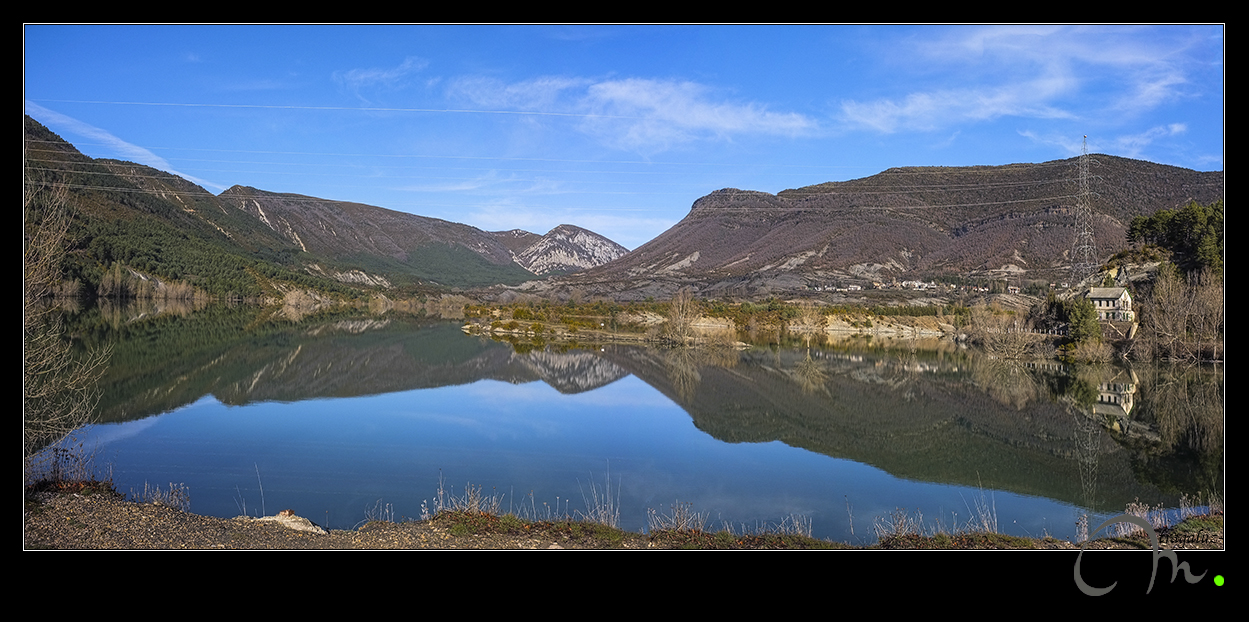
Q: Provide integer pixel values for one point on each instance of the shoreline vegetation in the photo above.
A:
(1052, 329)
(91, 514)
(1177, 317)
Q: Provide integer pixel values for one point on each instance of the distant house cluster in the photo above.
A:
(911, 285)
(836, 288)
(1113, 304)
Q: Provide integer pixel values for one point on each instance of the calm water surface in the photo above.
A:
(338, 416)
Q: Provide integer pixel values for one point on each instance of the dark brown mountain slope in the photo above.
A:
(516, 240)
(341, 229)
(901, 223)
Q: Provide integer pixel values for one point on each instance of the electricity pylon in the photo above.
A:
(1084, 261)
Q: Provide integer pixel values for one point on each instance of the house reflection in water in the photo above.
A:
(1115, 399)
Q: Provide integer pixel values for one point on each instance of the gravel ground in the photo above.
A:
(97, 521)
(105, 521)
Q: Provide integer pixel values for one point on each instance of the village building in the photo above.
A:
(1112, 304)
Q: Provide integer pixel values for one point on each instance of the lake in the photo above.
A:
(345, 417)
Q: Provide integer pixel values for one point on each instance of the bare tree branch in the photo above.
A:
(59, 389)
(681, 314)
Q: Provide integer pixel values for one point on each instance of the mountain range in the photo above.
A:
(564, 249)
(904, 223)
(244, 239)
(384, 241)
(1012, 220)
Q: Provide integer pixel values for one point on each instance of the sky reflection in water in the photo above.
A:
(725, 434)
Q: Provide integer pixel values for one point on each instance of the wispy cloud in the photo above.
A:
(1134, 145)
(122, 149)
(940, 109)
(657, 114)
(1127, 145)
(489, 180)
(1150, 91)
(546, 93)
(1032, 72)
(353, 80)
(636, 114)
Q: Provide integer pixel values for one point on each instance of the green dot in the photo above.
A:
(1218, 580)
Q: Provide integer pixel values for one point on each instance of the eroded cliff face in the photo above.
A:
(568, 248)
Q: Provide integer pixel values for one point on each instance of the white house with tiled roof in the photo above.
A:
(1112, 303)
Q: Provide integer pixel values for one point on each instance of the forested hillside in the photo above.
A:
(137, 221)
(139, 231)
(1194, 234)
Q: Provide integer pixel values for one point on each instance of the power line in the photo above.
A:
(298, 198)
(307, 199)
(867, 190)
(897, 207)
(351, 109)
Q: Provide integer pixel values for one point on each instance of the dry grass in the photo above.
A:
(548, 512)
(601, 507)
(902, 529)
(681, 518)
(792, 525)
(900, 524)
(66, 466)
(1160, 517)
(471, 501)
(1093, 352)
(984, 517)
(177, 496)
(380, 512)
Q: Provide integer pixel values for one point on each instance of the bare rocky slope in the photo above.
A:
(914, 222)
(568, 248)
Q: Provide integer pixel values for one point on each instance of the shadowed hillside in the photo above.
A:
(134, 220)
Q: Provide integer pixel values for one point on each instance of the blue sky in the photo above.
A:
(615, 128)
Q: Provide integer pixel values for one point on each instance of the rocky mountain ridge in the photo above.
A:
(1010, 221)
(568, 248)
(165, 225)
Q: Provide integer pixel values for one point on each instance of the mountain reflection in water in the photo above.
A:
(330, 416)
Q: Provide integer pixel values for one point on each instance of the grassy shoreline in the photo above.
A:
(92, 515)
